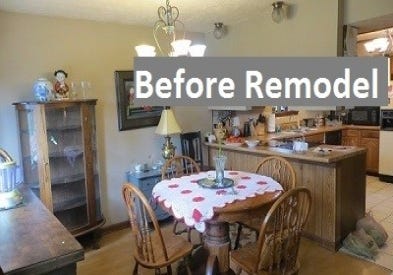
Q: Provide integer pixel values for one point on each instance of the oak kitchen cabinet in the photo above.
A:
(59, 156)
(315, 138)
(368, 139)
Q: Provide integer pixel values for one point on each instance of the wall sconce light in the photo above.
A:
(278, 13)
(219, 30)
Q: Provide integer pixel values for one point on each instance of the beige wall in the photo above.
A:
(359, 10)
(34, 46)
(310, 31)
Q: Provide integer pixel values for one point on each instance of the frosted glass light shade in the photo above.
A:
(219, 30)
(168, 124)
(278, 12)
(181, 47)
(145, 50)
(377, 45)
(197, 50)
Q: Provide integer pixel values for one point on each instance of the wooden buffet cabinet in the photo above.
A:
(59, 156)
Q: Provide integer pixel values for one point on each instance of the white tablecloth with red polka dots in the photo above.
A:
(194, 204)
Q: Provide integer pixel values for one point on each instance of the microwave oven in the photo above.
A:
(364, 115)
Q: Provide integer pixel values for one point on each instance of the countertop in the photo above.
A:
(335, 154)
(33, 241)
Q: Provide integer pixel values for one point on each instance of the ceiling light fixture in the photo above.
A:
(219, 30)
(278, 11)
(381, 45)
(377, 45)
(168, 25)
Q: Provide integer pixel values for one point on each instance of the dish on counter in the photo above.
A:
(322, 151)
(234, 141)
(252, 142)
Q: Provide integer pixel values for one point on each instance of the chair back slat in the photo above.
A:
(179, 166)
(280, 232)
(191, 146)
(144, 226)
(279, 169)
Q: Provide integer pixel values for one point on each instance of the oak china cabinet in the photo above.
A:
(59, 156)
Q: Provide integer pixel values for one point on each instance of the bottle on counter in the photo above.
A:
(246, 129)
(271, 123)
(235, 127)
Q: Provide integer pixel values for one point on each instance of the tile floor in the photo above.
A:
(379, 202)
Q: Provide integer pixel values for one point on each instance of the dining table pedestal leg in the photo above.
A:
(217, 242)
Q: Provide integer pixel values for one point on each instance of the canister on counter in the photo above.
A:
(246, 129)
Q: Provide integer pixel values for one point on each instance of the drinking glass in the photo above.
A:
(75, 89)
(85, 87)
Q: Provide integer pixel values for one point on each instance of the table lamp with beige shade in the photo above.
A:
(166, 127)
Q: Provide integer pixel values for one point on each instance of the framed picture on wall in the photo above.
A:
(129, 115)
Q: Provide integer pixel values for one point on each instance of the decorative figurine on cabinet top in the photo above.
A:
(61, 88)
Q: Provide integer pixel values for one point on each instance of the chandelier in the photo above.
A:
(168, 25)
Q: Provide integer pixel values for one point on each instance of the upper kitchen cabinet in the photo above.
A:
(59, 156)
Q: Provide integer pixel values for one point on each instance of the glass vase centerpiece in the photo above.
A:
(220, 160)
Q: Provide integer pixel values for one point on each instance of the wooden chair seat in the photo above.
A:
(247, 257)
(151, 249)
(176, 248)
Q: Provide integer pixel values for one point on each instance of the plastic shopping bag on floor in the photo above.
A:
(373, 228)
(362, 244)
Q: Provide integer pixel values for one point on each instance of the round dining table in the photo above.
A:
(210, 209)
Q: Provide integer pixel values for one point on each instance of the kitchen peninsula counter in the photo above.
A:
(337, 182)
(33, 241)
(335, 154)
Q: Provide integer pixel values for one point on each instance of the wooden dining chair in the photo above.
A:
(191, 146)
(151, 250)
(177, 167)
(276, 250)
(279, 169)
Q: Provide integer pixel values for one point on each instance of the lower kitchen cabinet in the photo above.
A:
(316, 138)
(146, 181)
(368, 139)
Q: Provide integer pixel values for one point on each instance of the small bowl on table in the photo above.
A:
(252, 142)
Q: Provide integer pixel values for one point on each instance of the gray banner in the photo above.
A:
(238, 81)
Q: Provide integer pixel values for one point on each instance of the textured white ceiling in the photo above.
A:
(197, 15)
